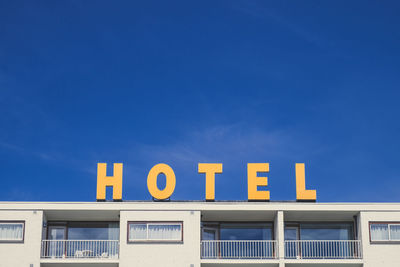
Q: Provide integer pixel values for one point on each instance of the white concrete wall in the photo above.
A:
(158, 254)
(188, 253)
(379, 255)
(23, 254)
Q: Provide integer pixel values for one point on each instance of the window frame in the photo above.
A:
(154, 241)
(17, 240)
(388, 241)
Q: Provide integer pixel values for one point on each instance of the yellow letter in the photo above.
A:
(253, 181)
(301, 192)
(152, 181)
(210, 169)
(103, 181)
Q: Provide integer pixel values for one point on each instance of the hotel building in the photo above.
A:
(199, 234)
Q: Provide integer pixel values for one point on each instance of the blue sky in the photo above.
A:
(182, 82)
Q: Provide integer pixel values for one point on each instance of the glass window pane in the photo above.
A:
(11, 231)
(395, 232)
(236, 231)
(164, 232)
(334, 231)
(83, 233)
(56, 233)
(137, 231)
(113, 231)
(93, 231)
(209, 234)
(379, 232)
(291, 234)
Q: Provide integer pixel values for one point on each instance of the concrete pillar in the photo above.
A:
(279, 235)
(363, 234)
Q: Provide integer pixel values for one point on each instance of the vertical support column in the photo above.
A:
(363, 232)
(44, 235)
(279, 236)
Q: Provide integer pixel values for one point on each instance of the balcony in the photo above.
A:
(238, 249)
(80, 249)
(323, 249)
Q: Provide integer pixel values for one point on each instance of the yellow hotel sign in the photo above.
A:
(209, 169)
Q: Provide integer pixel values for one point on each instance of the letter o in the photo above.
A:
(152, 181)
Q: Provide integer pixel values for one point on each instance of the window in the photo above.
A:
(245, 231)
(236, 231)
(385, 231)
(155, 231)
(83, 230)
(326, 231)
(319, 231)
(93, 231)
(11, 231)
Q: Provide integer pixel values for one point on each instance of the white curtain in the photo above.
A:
(395, 232)
(137, 231)
(112, 248)
(113, 231)
(164, 232)
(11, 231)
(379, 232)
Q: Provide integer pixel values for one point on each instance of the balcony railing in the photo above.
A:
(64, 249)
(323, 249)
(238, 249)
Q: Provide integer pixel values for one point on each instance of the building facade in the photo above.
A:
(199, 234)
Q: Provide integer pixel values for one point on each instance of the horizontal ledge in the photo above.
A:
(81, 260)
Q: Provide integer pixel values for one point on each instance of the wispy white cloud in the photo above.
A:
(214, 144)
(30, 121)
(17, 194)
(51, 157)
(23, 151)
(234, 145)
(11, 147)
(230, 144)
(267, 13)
